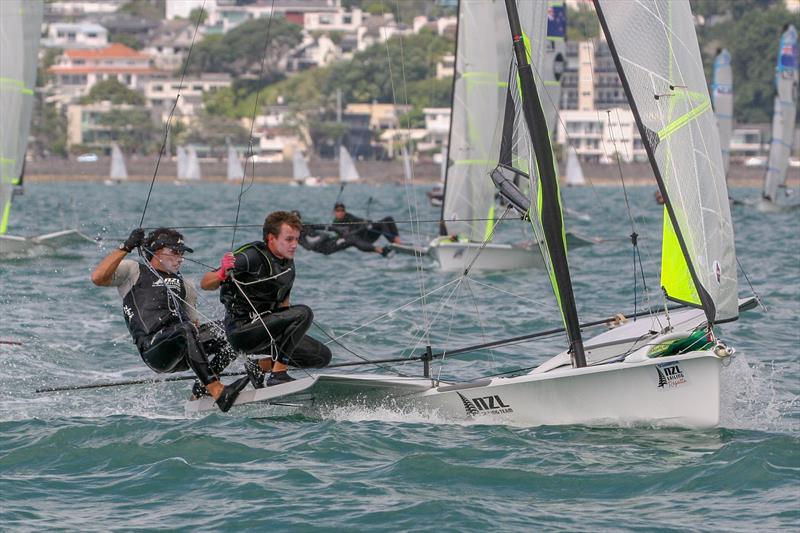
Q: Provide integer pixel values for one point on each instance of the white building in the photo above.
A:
(598, 135)
(183, 8)
(339, 20)
(69, 35)
(76, 8)
(170, 45)
(161, 93)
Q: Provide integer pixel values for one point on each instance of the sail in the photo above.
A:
(482, 65)
(783, 115)
(235, 170)
(180, 152)
(574, 170)
(722, 93)
(20, 27)
(554, 59)
(118, 170)
(655, 48)
(406, 164)
(300, 169)
(347, 168)
(192, 164)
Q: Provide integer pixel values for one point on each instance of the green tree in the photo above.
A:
(128, 39)
(114, 91)
(215, 131)
(149, 9)
(198, 14)
(49, 128)
(582, 24)
(132, 129)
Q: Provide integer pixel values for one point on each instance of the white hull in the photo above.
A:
(456, 256)
(767, 206)
(11, 245)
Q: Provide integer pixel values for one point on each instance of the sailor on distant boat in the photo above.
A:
(363, 233)
(159, 309)
(256, 282)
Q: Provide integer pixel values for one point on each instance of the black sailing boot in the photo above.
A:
(198, 390)
(254, 373)
(278, 378)
(230, 393)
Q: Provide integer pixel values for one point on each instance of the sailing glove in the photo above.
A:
(225, 264)
(135, 240)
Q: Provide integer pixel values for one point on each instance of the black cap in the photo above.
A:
(337, 205)
(173, 242)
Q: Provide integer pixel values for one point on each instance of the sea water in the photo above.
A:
(127, 458)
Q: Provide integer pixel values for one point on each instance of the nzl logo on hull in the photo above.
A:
(485, 405)
(670, 376)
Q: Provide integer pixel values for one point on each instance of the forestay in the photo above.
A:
(658, 58)
(482, 65)
(722, 92)
(784, 114)
(20, 27)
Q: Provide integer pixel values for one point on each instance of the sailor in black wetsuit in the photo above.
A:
(256, 282)
(363, 233)
(159, 309)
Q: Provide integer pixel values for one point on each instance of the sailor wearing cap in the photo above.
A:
(159, 309)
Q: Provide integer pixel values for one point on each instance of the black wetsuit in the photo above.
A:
(363, 233)
(322, 241)
(165, 336)
(256, 322)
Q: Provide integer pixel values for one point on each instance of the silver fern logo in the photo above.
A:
(484, 405)
(670, 376)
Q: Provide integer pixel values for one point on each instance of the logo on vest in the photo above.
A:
(484, 405)
(171, 283)
(128, 312)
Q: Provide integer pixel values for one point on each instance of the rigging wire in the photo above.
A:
(172, 112)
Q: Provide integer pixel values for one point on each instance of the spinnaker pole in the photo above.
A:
(550, 208)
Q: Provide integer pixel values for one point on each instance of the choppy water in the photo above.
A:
(127, 458)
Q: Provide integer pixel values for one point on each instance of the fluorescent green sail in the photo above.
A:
(675, 276)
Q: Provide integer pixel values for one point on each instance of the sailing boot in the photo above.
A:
(198, 391)
(278, 378)
(230, 393)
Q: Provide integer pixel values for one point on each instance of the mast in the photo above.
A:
(648, 137)
(550, 208)
(442, 225)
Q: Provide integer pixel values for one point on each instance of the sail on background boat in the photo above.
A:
(180, 153)
(574, 170)
(655, 48)
(20, 28)
(234, 170)
(347, 168)
(784, 115)
(722, 93)
(192, 164)
(119, 171)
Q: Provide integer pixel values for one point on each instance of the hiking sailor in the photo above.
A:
(363, 233)
(159, 309)
(256, 281)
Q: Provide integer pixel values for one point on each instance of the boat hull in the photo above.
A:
(456, 256)
(12, 245)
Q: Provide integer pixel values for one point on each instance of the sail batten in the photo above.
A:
(655, 48)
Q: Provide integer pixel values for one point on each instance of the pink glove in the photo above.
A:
(225, 264)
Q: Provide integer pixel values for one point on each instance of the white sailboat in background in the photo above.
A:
(348, 173)
(118, 171)
(722, 95)
(20, 28)
(775, 196)
(479, 96)
(436, 195)
(301, 174)
(193, 172)
(180, 156)
(574, 170)
(235, 171)
(653, 371)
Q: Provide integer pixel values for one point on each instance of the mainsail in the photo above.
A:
(574, 170)
(722, 93)
(20, 28)
(481, 70)
(235, 170)
(784, 114)
(118, 170)
(180, 152)
(347, 168)
(655, 48)
(554, 59)
(300, 169)
(192, 164)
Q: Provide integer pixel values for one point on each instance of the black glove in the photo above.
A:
(133, 241)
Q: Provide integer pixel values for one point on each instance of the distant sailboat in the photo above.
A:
(20, 27)
(301, 175)
(180, 153)
(722, 96)
(118, 172)
(348, 172)
(775, 197)
(235, 170)
(436, 195)
(574, 170)
(192, 164)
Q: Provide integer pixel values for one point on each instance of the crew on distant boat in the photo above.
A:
(159, 308)
(256, 281)
(363, 233)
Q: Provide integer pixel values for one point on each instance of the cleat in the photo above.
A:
(230, 393)
(278, 378)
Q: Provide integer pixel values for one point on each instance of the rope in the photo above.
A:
(172, 112)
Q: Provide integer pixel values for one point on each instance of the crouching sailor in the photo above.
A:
(256, 282)
(159, 308)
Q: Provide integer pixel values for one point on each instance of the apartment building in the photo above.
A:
(70, 35)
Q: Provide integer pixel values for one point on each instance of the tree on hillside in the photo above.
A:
(215, 131)
(114, 91)
(582, 24)
(132, 129)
